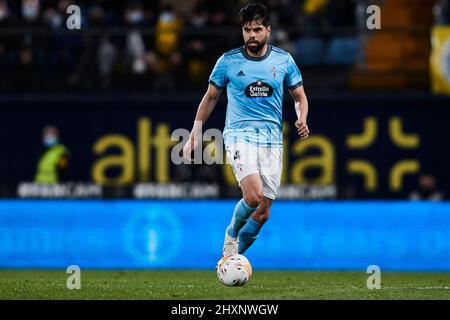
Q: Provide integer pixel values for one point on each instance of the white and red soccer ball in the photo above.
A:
(234, 270)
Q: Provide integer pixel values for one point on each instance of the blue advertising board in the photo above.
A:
(409, 236)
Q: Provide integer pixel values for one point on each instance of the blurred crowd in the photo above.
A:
(149, 46)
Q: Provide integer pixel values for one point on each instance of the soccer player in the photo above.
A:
(254, 76)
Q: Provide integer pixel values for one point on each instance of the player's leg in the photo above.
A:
(252, 197)
(252, 192)
(243, 161)
(270, 167)
(250, 231)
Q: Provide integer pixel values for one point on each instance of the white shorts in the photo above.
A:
(246, 159)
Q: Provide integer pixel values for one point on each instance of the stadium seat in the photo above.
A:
(341, 51)
(309, 51)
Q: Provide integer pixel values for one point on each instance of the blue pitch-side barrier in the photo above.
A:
(188, 234)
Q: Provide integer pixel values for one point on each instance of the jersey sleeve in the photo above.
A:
(293, 77)
(218, 77)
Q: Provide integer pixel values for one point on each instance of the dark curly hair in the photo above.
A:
(255, 11)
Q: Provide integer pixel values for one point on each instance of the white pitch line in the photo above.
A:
(418, 288)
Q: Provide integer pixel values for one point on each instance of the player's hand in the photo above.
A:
(302, 129)
(189, 148)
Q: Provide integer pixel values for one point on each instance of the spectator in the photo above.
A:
(52, 18)
(165, 59)
(441, 12)
(5, 15)
(31, 10)
(197, 49)
(54, 161)
(106, 57)
(427, 189)
(142, 46)
(280, 38)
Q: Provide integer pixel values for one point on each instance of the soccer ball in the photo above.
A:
(234, 270)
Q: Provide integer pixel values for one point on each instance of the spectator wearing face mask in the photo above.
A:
(135, 45)
(31, 10)
(54, 161)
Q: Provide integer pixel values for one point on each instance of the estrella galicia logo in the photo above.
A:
(258, 89)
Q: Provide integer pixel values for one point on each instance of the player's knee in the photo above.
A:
(253, 199)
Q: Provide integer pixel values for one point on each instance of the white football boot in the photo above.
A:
(230, 245)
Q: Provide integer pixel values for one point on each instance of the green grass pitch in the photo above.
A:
(101, 284)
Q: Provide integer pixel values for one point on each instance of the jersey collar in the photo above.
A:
(247, 56)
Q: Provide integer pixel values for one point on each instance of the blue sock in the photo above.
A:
(248, 234)
(241, 213)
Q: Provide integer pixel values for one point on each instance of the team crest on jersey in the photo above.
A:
(258, 89)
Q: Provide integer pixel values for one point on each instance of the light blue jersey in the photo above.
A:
(255, 88)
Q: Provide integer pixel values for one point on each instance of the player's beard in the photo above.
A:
(257, 48)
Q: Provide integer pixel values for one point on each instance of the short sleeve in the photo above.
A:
(218, 77)
(293, 77)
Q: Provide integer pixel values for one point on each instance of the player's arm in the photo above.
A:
(301, 109)
(204, 110)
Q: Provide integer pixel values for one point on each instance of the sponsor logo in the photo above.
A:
(241, 73)
(153, 236)
(258, 89)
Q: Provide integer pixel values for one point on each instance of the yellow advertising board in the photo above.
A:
(440, 60)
